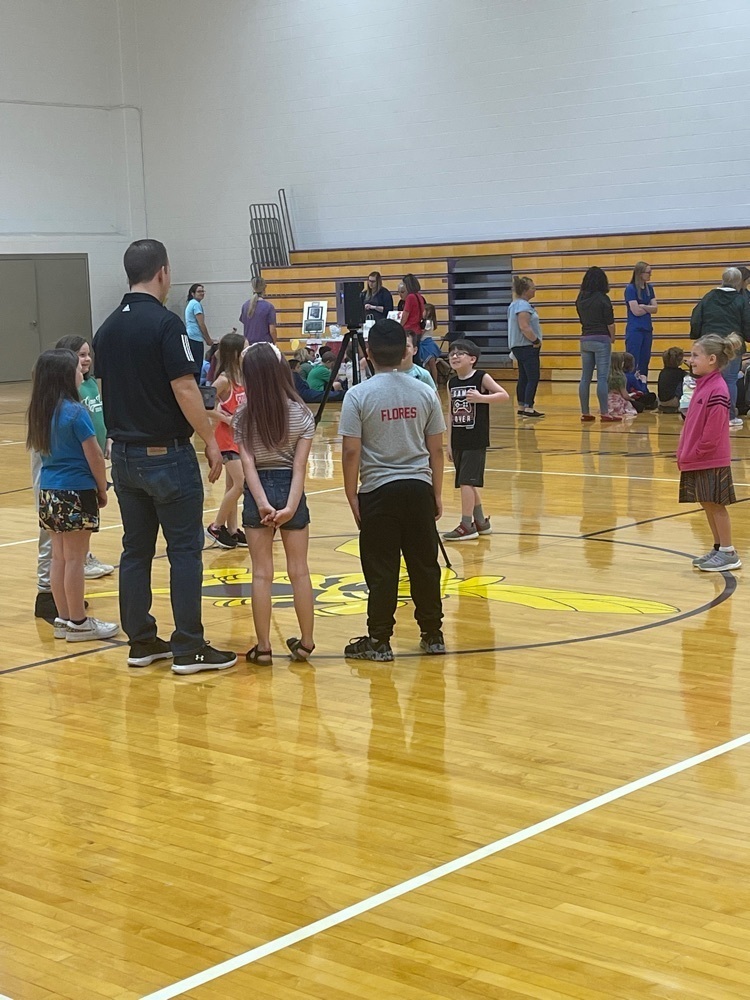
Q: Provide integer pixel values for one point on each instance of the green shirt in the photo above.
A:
(318, 377)
(92, 400)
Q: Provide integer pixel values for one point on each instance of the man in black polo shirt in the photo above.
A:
(152, 404)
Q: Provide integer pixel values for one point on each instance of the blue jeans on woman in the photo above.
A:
(528, 374)
(730, 374)
(594, 354)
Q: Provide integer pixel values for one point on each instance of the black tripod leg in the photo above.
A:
(334, 372)
(442, 549)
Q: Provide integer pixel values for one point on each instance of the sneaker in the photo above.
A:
(239, 537)
(484, 527)
(206, 658)
(91, 629)
(701, 559)
(461, 533)
(366, 648)
(221, 536)
(735, 422)
(45, 607)
(434, 643)
(719, 562)
(95, 570)
(143, 654)
(60, 627)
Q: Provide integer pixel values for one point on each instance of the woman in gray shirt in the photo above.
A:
(525, 340)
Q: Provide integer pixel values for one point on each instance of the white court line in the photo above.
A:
(419, 881)
(591, 475)
(207, 510)
(6, 444)
(3, 997)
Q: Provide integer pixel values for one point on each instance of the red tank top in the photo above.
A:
(224, 432)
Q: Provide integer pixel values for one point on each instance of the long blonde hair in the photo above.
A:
(259, 289)
(638, 270)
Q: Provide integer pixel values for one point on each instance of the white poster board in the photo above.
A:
(314, 316)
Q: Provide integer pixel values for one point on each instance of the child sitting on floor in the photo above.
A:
(637, 387)
(618, 402)
(669, 386)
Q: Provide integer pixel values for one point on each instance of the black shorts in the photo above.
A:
(69, 510)
(230, 456)
(470, 467)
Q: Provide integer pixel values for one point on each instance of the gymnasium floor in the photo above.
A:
(153, 828)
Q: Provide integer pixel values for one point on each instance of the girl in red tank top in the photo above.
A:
(230, 394)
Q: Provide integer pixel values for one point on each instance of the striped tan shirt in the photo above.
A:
(301, 425)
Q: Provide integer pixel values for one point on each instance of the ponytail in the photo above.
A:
(521, 285)
(259, 287)
(725, 349)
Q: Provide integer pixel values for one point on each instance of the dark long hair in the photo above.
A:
(268, 389)
(594, 280)
(53, 381)
(192, 290)
(74, 343)
(228, 363)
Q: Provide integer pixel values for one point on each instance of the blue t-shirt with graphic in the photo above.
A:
(193, 309)
(66, 467)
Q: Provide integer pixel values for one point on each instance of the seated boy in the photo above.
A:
(392, 428)
(412, 369)
(669, 386)
(319, 375)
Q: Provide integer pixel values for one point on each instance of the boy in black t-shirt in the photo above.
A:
(471, 390)
(669, 385)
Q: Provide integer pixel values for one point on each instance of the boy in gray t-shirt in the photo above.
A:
(392, 427)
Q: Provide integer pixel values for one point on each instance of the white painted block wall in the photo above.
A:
(436, 120)
(71, 177)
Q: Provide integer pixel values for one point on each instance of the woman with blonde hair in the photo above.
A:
(525, 341)
(641, 305)
(258, 317)
(376, 298)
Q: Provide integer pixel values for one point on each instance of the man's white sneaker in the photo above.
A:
(95, 570)
(91, 629)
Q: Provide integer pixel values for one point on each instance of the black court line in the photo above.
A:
(650, 520)
(22, 489)
(111, 644)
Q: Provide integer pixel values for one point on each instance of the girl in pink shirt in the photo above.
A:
(704, 454)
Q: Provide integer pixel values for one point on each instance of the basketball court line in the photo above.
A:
(426, 878)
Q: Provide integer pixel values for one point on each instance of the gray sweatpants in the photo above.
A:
(44, 556)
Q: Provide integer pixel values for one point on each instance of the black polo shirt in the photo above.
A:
(138, 351)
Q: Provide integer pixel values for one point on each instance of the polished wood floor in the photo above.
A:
(153, 827)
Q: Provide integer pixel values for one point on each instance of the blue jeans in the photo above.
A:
(594, 354)
(528, 374)
(639, 345)
(730, 374)
(160, 491)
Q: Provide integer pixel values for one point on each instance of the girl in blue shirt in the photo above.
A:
(640, 305)
(73, 487)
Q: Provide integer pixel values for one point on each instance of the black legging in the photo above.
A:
(198, 348)
(528, 374)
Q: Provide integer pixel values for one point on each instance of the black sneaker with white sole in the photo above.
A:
(221, 536)
(366, 648)
(206, 658)
(143, 654)
(432, 643)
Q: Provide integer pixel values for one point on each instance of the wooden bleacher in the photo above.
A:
(686, 264)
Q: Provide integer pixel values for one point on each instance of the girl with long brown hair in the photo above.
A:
(73, 487)
(274, 431)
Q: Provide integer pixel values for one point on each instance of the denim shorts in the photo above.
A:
(276, 484)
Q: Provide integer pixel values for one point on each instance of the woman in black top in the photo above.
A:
(377, 300)
(597, 336)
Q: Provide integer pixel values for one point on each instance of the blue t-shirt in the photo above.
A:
(193, 309)
(66, 467)
(515, 337)
(638, 324)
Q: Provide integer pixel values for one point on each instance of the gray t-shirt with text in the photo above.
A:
(393, 414)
